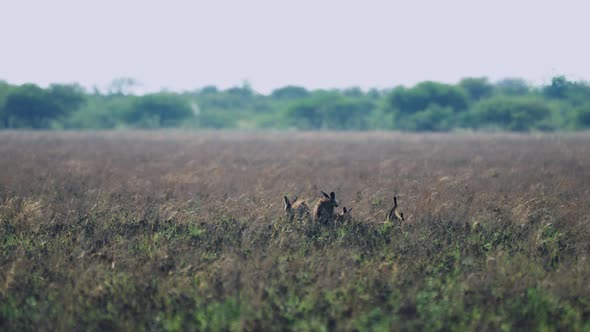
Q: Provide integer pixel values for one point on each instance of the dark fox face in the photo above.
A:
(342, 216)
(332, 198)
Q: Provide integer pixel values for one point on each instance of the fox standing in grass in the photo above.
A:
(297, 209)
(343, 216)
(394, 214)
(323, 210)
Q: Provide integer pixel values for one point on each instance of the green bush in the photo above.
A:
(29, 106)
(477, 87)
(158, 110)
(434, 118)
(513, 87)
(420, 97)
(290, 92)
(510, 113)
(330, 111)
(576, 93)
(582, 116)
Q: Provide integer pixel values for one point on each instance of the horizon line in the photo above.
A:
(136, 87)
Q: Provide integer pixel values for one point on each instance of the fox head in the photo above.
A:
(331, 198)
(342, 216)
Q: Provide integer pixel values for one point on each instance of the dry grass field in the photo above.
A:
(186, 231)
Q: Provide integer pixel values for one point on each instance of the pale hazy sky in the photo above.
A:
(184, 45)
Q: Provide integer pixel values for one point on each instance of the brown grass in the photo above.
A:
(175, 230)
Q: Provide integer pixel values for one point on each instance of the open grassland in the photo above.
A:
(185, 231)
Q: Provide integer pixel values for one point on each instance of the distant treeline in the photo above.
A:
(471, 104)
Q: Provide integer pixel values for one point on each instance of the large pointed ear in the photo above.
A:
(295, 199)
(325, 195)
(332, 196)
(394, 201)
(349, 210)
(344, 210)
(287, 203)
(402, 215)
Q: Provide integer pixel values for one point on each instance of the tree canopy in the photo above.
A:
(474, 103)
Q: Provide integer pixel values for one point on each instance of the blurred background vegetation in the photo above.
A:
(471, 104)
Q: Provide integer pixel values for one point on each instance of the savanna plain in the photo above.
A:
(187, 231)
